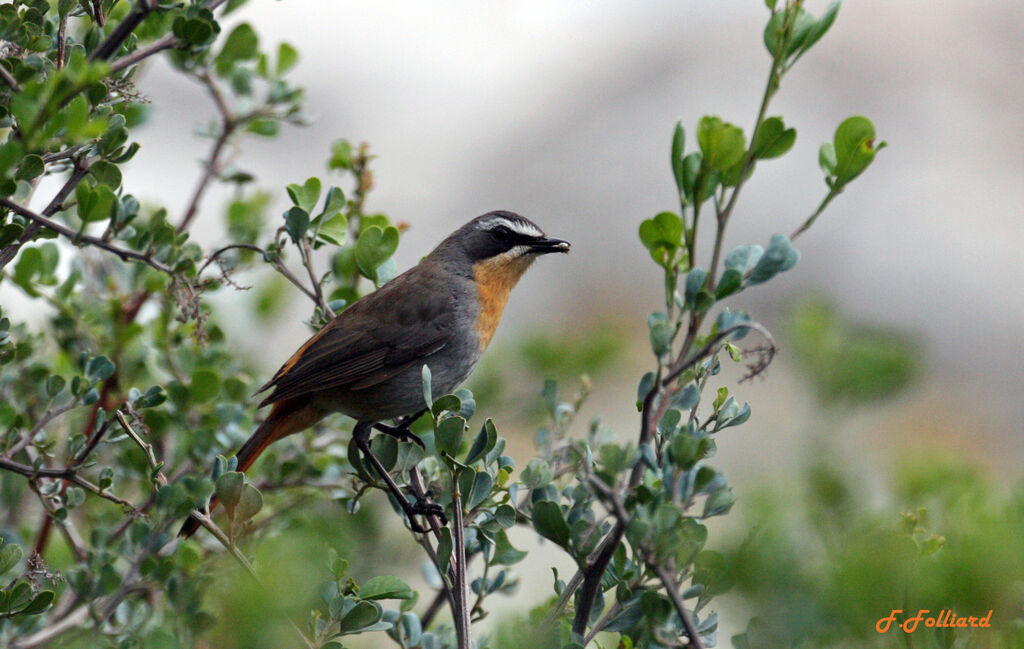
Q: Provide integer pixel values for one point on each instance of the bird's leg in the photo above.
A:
(361, 436)
(401, 431)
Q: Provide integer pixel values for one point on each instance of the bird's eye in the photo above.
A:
(502, 233)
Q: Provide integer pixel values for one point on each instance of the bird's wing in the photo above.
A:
(382, 334)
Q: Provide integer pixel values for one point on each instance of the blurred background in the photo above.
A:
(899, 329)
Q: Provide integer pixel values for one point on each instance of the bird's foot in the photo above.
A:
(427, 507)
(401, 432)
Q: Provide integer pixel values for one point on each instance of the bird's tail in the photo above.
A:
(286, 417)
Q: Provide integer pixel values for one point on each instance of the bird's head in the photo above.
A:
(495, 250)
(501, 242)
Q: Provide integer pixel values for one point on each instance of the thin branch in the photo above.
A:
(814, 216)
(307, 260)
(212, 165)
(68, 474)
(672, 589)
(75, 618)
(62, 31)
(120, 34)
(709, 348)
(70, 152)
(461, 593)
(147, 448)
(9, 79)
(56, 204)
(47, 417)
(599, 626)
(614, 502)
(164, 43)
(771, 87)
(78, 237)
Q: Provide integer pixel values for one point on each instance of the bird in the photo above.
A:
(367, 362)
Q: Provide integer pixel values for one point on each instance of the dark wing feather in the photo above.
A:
(382, 334)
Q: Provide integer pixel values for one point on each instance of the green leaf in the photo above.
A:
(39, 603)
(695, 280)
(32, 166)
(445, 545)
(229, 488)
(731, 282)
(361, 616)
(425, 380)
(249, 503)
(537, 474)
(448, 402)
(242, 44)
(818, 30)
(449, 435)
(287, 57)
(505, 515)
(480, 489)
(772, 139)
(341, 155)
(306, 195)
(385, 587)
(504, 553)
(194, 31)
(375, 246)
(719, 502)
(550, 523)
(483, 442)
(205, 385)
(827, 158)
(722, 144)
(106, 173)
(265, 126)
(334, 230)
(10, 555)
(854, 148)
(99, 368)
(9, 232)
(296, 223)
(678, 153)
(662, 236)
(94, 204)
(54, 384)
(661, 335)
(780, 256)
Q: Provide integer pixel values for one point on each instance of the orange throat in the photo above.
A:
(494, 279)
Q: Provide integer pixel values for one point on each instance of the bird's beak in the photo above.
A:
(545, 246)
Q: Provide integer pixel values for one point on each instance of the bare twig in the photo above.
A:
(68, 474)
(56, 204)
(672, 589)
(49, 416)
(307, 260)
(9, 79)
(78, 237)
(165, 43)
(614, 503)
(459, 562)
(147, 448)
(119, 34)
(708, 349)
(213, 162)
(814, 216)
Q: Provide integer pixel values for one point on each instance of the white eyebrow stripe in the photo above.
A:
(516, 226)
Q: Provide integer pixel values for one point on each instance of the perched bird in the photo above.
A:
(367, 362)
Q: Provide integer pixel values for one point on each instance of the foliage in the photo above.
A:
(828, 556)
(113, 412)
